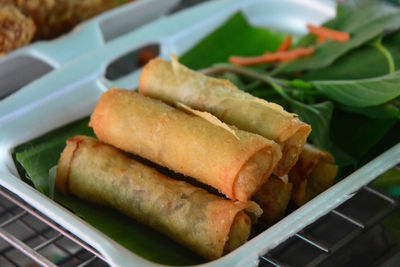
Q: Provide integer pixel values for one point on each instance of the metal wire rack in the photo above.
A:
(353, 234)
(28, 238)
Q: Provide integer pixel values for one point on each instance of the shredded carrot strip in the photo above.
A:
(328, 33)
(321, 39)
(286, 44)
(280, 56)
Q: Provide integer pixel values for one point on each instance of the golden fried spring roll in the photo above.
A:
(205, 223)
(236, 164)
(313, 173)
(273, 198)
(174, 83)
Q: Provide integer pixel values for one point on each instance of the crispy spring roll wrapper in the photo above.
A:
(273, 198)
(174, 83)
(205, 223)
(236, 164)
(313, 173)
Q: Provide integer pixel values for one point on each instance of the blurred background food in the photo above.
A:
(16, 29)
(22, 21)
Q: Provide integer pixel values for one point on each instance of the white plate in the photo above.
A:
(26, 64)
(71, 92)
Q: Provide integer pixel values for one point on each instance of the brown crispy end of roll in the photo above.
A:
(273, 198)
(313, 173)
(239, 232)
(292, 148)
(64, 163)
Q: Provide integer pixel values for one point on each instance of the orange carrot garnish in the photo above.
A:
(250, 61)
(296, 53)
(280, 56)
(323, 32)
(286, 44)
(321, 39)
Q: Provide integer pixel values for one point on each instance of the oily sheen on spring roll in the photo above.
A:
(174, 83)
(313, 173)
(236, 164)
(205, 223)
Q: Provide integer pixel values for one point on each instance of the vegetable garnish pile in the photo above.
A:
(342, 78)
(284, 54)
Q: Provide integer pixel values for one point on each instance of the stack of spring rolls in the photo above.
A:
(244, 147)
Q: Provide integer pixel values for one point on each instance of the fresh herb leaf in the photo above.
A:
(357, 134)
(363, 92)
(386, 111)
(319, 117)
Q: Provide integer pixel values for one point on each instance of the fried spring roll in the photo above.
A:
(273, 198)
(205, 223)
(236, 164)
(313, 173)
(174, 83)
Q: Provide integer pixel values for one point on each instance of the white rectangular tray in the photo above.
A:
(71, 92)
(33, 61)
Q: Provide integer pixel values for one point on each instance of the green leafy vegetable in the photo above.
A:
(359, 82)
(362, 93)
(386, 111)
(43, 153)
(364, 62)
(357, 134)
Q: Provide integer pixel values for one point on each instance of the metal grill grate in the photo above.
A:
(350, 235)
(28, 238)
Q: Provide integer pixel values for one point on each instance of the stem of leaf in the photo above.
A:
(385, 52)
(247, 72)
